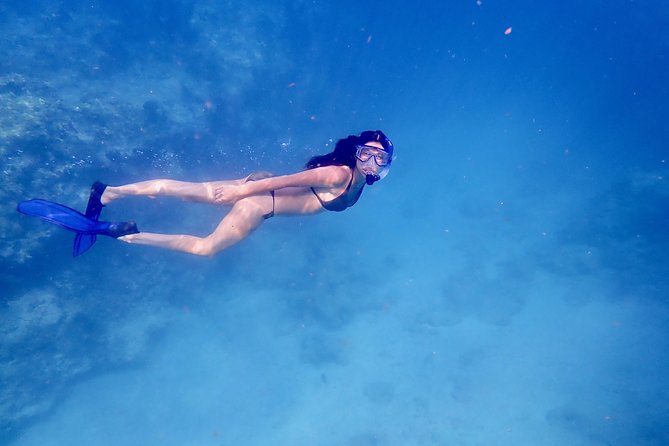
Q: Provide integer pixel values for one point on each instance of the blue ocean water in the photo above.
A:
(505, 284)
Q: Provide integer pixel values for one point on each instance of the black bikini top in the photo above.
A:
(343, 201)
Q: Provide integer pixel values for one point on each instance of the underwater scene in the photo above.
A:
(507, 282)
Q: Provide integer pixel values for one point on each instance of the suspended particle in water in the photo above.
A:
(508, 31)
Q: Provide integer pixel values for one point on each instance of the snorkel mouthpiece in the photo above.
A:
(371, 179)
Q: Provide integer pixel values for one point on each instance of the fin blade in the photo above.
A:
(82, 243)
(61, 215)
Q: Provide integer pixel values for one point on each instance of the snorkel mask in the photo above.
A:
(370, 155)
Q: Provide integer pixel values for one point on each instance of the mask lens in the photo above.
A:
(364, 153)
(382, 159)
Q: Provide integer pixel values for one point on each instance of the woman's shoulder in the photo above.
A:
(341, 174)
(335, 174)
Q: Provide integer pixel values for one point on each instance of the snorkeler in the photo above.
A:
(330, 182)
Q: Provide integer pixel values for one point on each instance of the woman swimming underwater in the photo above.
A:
(330, 182)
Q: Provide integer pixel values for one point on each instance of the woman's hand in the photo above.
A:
(228, 194)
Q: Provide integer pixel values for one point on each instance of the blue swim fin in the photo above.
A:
(84, 242)
(75, 221)
(61, 215)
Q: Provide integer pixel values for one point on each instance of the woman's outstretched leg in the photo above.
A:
(202, 192)
(244, 217)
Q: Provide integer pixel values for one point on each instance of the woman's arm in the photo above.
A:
(328, 176)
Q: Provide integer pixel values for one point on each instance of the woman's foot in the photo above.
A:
(110, 194)
(128, 238)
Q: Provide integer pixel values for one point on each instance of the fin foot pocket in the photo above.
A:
(119, 229)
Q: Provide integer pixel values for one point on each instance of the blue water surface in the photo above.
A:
(506, 284)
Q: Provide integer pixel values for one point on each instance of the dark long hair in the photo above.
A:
(344, 151)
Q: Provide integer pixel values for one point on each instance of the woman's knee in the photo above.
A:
(204, 247)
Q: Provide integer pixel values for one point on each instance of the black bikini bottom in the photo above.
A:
(270, 214)
(261, 176)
